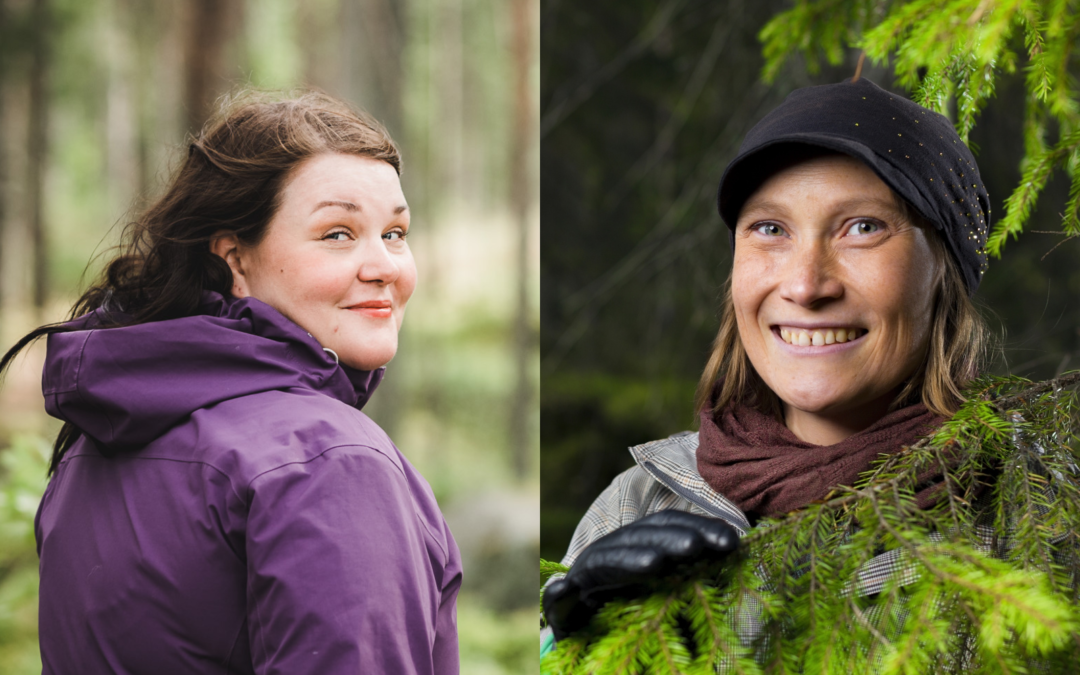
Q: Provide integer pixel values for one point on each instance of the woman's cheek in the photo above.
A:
(906, 286)
(324, 281)
(750, 277)
(407, 277)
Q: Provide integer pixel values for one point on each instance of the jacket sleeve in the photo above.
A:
(341, 575)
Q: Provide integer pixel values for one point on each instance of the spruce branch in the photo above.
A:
(549, 569)
(1064, 381)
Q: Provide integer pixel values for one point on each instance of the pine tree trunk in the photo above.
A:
(209, 28)
(4, 58)
(448, 69)
(37, 149)
(372, 48)
(143, 42)
(121, 108)
(520, 200)
(322, 44)
(164, 115)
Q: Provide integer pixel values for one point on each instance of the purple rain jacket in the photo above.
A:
(229, 509)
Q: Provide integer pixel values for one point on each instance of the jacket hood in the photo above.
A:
(124, 387)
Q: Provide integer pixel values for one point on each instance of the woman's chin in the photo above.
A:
(822, 400)
(834, 402)
(366, 357)
(811, 406)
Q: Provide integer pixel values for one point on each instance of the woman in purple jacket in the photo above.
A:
(218, 502)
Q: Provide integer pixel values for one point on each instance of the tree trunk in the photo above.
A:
(37, 148)
(210, 25)
(121, 108)
(521, 145)
(164, 116)
(321, 42)
(449, 123)
(149, 36)
(372, 57)
(4, 58)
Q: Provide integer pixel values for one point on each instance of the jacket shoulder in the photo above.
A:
(251, 435)
(664, 476)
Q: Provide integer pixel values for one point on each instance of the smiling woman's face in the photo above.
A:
(833, 290)
(334, 258)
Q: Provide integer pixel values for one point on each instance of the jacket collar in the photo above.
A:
(673, 462)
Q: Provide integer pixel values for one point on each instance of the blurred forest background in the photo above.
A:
(642, 104)
(97, 99)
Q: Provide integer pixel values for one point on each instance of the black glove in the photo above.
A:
(619, 564)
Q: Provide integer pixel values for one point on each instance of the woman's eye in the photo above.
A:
(394, 235)
(770, 229)
(337, 236)
(864, 227)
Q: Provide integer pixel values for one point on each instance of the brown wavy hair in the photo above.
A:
(955, 354)
(230, 180)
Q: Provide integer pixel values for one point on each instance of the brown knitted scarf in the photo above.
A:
(756, 462)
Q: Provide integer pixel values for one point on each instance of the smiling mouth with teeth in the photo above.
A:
(802, 337)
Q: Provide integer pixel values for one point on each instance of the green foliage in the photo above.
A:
(495, 643)
(954, 51)
(547, 570)
(984, 579)
(22, 481)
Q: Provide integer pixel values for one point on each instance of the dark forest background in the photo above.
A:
(642, 105)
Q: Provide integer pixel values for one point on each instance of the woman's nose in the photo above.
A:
(377, 264)
(809, 277)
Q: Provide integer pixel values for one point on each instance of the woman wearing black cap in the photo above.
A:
(859, 224)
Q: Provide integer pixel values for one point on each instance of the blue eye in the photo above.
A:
(770, 229)
(394, 235)
(864, 227)
(344, 235)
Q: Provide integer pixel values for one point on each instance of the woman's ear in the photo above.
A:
(227, 246)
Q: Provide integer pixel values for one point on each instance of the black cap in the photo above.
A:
(915, 151)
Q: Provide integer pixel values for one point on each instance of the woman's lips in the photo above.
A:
(377, 309)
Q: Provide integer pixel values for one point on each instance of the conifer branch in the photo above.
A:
(1060, 383)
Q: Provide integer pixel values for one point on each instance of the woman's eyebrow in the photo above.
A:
(768, 206)
(863, 202)
(348, 206)
(846, 205)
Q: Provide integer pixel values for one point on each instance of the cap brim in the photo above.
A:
(738, 182)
